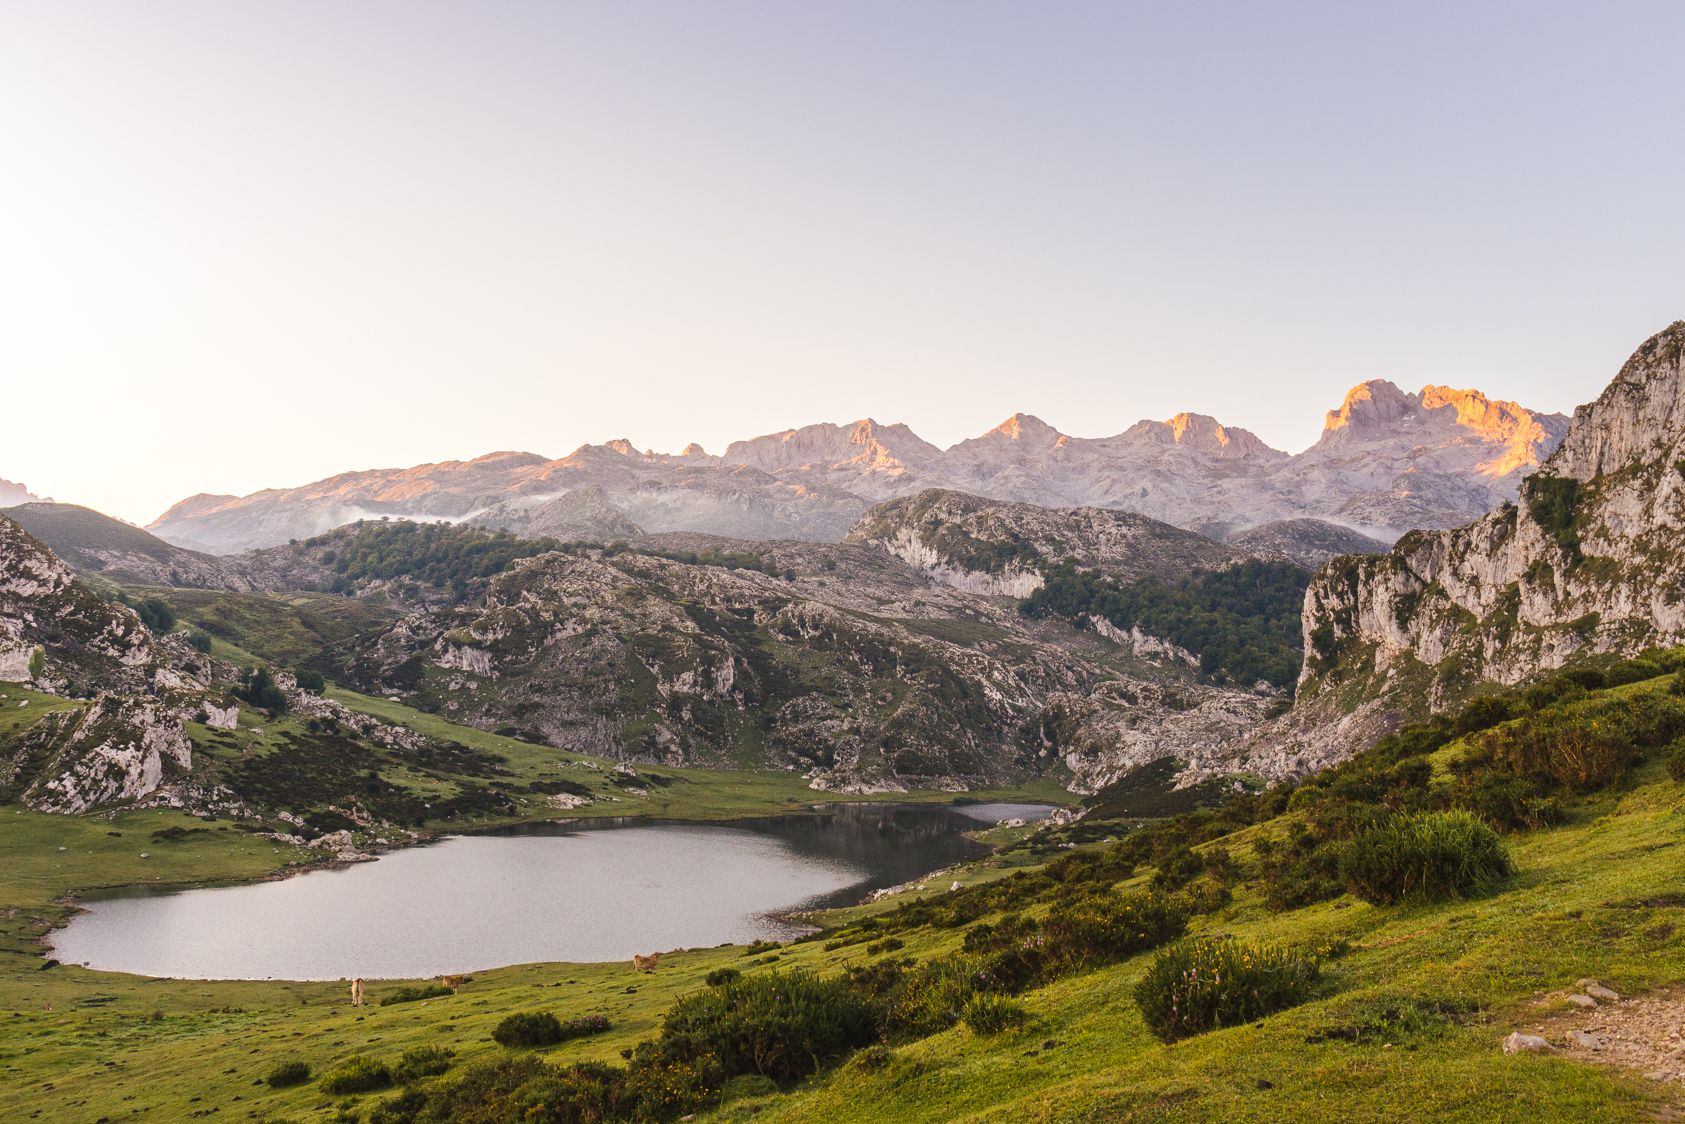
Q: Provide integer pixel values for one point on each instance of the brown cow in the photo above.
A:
(646, 963)
(452, 982)
(357, 992)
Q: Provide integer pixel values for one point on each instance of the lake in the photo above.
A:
(588, 890)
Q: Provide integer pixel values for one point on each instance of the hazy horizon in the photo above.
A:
(249, 245)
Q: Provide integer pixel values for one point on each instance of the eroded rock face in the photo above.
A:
(119, 750)
(81, 639)
(1591, 560)
(839, 662)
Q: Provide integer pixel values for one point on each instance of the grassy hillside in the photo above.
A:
(1405, 1018)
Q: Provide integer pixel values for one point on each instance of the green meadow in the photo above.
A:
(1406, 1025)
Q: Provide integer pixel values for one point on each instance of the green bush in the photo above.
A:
(413, 994)
(288, 1073)
(1587, 744)
(405, 1108)
(1426, 857)
(783, 1025)
(721, 976)
(931, 998)
(1675, 755)
(422, 1061)
(524, 1088)
(258, 688)
(1107, 927)
(309, 680)
(361, 1074)
(584, 1026)
(991, 1014)
(528, 1028)
(1196, 986)
(1508, 802)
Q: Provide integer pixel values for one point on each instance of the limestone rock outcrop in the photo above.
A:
(1589, 561)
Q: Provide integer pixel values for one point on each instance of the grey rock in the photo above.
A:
(1518, 1043)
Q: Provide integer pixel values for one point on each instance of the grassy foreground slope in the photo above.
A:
(1406, 1025)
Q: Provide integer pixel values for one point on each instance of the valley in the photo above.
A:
(1408, 800)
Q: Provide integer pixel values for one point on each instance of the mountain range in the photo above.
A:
(1387, 462)
(945, 638)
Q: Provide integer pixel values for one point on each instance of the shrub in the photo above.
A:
(200, 641)
(720, 976)
(931, 998)
(783, 1025)
(1588, 744)
(1485, 711)
(1102, 928)
(1676, 759)
(528, 1028)
(404, 1108)
(990, 1014)
(1196, 986)
(523, 1087)
(422, 1061)
(413, 994)
(311, 681)
(584, 1026)
(258, 688)
(1177, 869)
(1509, 802)
(1427, 857)
(361, 1074)
(888, 944)
(288, 1073)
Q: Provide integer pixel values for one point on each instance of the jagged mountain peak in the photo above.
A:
(1368, 406)
(13, 493)
(1199, 433)
(1639, 416)
(865, 444)
(1019, 429)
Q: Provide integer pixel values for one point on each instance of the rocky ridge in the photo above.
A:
(1589, 562)
(1387, 461)
(837, 661)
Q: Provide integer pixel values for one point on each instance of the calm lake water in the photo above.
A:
(592, 890)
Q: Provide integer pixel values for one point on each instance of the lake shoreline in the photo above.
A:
(850, 825)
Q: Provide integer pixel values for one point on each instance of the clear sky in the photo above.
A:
(250, 244)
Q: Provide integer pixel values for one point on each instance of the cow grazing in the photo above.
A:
(452, 982)
(357, 992)
(646, 963)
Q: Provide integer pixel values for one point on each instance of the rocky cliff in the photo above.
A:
(56, 631)
(1589, 561)
(837, 661)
